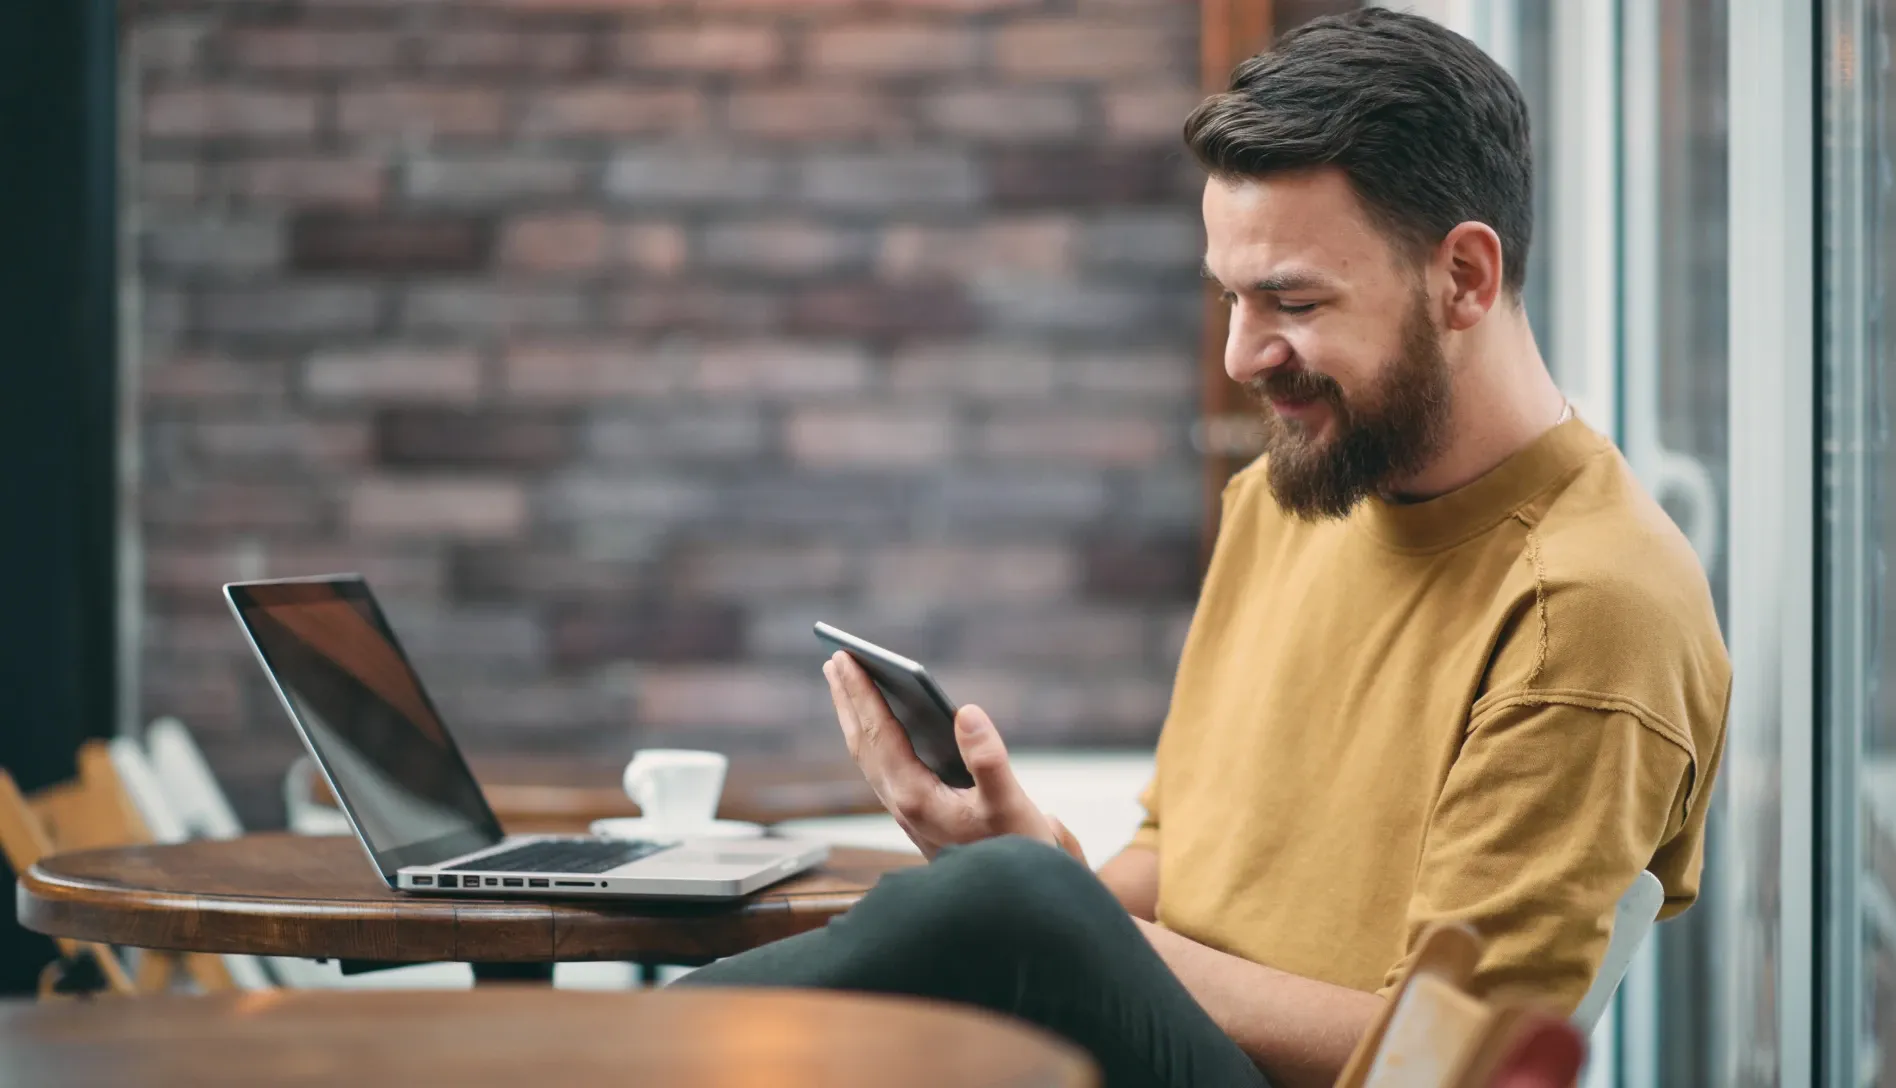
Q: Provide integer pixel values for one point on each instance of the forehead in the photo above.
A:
(1310, 220)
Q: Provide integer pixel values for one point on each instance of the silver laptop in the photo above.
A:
(415, 806)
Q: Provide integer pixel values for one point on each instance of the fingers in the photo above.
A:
(845, 713)
(986, 757)
(907, 788)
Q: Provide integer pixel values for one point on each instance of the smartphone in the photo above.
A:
(925, 713)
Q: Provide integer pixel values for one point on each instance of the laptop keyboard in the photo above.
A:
(562, 856)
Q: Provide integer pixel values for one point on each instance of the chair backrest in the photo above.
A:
(189, 785)
(1633, 919)
(1435, 1034)
(25, 839)
(304, 801)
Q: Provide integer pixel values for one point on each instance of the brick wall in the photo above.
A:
(618, 340)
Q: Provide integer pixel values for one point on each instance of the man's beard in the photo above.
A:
(1392, 434)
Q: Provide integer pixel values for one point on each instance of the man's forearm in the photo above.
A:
(1298, 1030)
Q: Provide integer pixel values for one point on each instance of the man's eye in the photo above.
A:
(1295, 308)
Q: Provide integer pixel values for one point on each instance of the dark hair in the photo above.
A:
(1430, 131)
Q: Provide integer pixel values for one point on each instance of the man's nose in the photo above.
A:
(1246, 362)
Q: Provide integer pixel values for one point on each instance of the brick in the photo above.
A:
(337, 182)
(607, 110)
(158, 183)
(812, 113)
(289, 310)
(691, 176)
(211, 246)
(967, 574)
(229, 113)
(1018, 497)
(207, 698)
(225, 508)
(490, 636)
(883, 310)
(504, 573)
(1042, 244)
(1154, 113)
(405, 573)
(585, 635)
(444, 375)
(333, 242)
(420, 112)
(267, 449)
(660, 248)
(211, 381)
(854, 506)
(784, 247)
(538, 717)
(893, 49)
(433, 438)
(555, 242)
(494, 178)
(1066, 49)
(515, 49)
(879, 181)
(1002, 114)
(1106, 312)
(654, 502)
(1168, 375)
(1067, 436)
(703, 47)
(437, 506)
(1143, 568)
(586, 371)
(1170, 242)
(308, 49)
(1077, 176)
(699, 308)
(1006, 371)
(1166, 498)
(171, 45)
(783, 369)
(1107, 637)
(870, 437)
(743, 570)
(680, 434)
(730, 695)
(491, 307)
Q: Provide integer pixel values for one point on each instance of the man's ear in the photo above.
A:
(1471, 256)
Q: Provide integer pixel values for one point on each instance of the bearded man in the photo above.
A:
(1450, 662)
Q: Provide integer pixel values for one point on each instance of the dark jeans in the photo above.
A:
(1018, 927)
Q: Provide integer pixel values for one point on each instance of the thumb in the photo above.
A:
(986, 757)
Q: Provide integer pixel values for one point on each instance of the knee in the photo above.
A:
(1001, 892)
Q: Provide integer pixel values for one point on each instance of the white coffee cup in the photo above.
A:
(677, 789)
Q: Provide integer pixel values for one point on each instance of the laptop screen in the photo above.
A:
(367, 719)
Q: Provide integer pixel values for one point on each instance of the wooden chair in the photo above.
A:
(1435, 1034)
(90, 812)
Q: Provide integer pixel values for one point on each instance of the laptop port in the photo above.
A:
(424, 880)
(536, 882)
(493, 882)
(514, 882)
(449, 881)
(573, 884)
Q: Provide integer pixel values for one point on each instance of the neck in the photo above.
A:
(1501, 399)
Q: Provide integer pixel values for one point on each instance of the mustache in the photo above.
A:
(1298, 384)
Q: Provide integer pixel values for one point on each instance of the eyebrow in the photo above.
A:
(1288, 280)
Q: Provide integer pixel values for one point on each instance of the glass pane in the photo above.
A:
(1859, 478)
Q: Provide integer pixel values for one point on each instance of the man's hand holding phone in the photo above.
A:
(932, 813)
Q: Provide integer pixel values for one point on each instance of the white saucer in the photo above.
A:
(638, 827)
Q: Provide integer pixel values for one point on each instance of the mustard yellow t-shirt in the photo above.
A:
(1496, 706)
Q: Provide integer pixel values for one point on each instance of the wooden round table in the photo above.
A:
(317, 897)
(509, 1036)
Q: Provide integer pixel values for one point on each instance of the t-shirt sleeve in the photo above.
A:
(1546, 816)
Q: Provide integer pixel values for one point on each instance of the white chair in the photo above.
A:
(181, 795)
(148, 796)
(306, 815)
(1633, 919)
(188, 783)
